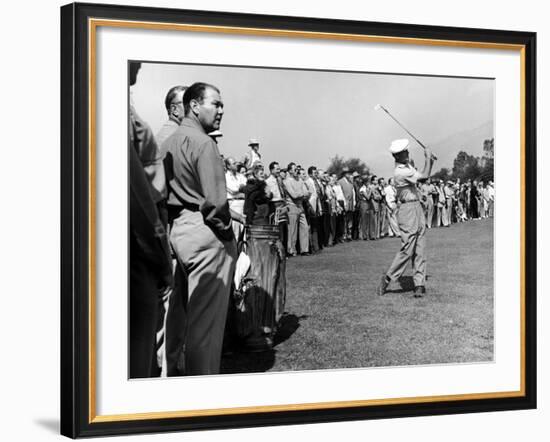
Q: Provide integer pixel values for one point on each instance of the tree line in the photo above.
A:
(465, 166)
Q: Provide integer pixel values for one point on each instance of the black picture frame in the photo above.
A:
(76, 418)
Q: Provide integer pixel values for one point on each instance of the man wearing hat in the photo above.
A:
(449, 202)
(357, 183)
(410, 218)
(346, 183)
(252, 156)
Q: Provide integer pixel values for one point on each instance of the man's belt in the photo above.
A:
(190, 206)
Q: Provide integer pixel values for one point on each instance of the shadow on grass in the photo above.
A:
(241, 361)
(406, 284)
(287, 327)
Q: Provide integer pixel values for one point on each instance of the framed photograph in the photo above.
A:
(273, 220)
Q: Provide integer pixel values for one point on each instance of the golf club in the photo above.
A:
(379, 106)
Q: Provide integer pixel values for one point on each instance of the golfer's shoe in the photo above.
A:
(419, 291)
(381, 289)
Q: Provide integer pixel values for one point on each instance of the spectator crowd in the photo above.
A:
(318, 209)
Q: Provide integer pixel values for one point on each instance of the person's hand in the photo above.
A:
(428, 154)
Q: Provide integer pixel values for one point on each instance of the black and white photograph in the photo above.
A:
(294, 219)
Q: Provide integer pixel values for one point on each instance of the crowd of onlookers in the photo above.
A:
(318, 209)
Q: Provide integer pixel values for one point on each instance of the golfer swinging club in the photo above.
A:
(410, 218)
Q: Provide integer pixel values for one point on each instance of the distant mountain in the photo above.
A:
(470, 141)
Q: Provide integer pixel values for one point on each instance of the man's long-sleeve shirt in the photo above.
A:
(147, 149)
(196, 177)
(296, 190)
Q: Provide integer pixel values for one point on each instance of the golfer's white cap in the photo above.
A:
(253, 141)
(399, 145)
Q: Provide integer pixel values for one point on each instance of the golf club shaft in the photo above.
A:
(406, 130)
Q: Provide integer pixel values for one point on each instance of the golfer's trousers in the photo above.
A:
(412, 225)
(198, 306)
(392, 222)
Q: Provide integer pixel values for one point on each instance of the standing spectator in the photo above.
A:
(321, 182)
(201, 237)
(235, 183)
(150, 263)
(168, 212)
(313, 207)
(346, 184)
(426, 199)
(440, 203)
(468, 199)
(474, 199)
(374, 198)
(491, 196)
(357, 182)
(341, 214)
(447, 210)
(253, 155)
(333, 210)
(382, 215)
(391, 204)
(174, 107)
(460, 212)
(432, 202)
(296, 193)
(482, 200)
(364, 209)
(278, 199)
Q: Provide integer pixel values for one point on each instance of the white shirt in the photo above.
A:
(251, 158)
(273, 187)
(390, 192)
(340, 194)
(312, 193)
(233, 183)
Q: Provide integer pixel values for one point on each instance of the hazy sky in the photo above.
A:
(310, 116)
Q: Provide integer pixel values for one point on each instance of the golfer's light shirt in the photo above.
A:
(405, 178)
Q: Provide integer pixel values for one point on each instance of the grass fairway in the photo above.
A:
(335, 320)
